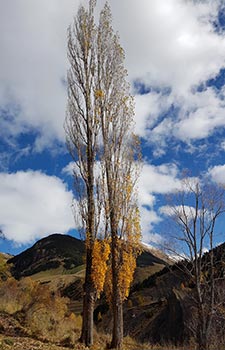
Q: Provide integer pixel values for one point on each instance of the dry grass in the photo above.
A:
(45, 316)
(141, 273)
(43, 313)
(56, 279)
(22, 343)
(101, 341)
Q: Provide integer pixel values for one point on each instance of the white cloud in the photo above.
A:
(217, 173)
(206, 113)
(33, 205)
(72, 167)
(149, 218)
(173, 45)
(167, 44)
(33, 66)
(148, 108)
(178, 211)
(153, 180)
(199, 115)
(170, 43)
(69, 169)
(157, 180)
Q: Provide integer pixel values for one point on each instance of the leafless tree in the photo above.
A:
(195, 209)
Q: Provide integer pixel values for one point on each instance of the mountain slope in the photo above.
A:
(49, 253)
(162, 308)
(59, 250)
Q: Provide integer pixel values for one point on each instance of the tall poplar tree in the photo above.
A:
(99, 128)
(81, 134)
(120, 161)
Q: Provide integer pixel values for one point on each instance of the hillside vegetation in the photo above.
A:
(55, 251)
(43, 310)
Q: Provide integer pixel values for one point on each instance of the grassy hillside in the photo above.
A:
(4, 266)
(48, 303)
(59, 259)
(56, 251)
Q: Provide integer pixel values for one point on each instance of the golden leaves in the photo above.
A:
(125, 268)
(100, 256)
(99, 94)
(126, 273)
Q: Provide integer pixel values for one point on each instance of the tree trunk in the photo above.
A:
(117, 304)
(203, 341)
(88, 303)
(202, 329)
(117, 334)
(89, 290)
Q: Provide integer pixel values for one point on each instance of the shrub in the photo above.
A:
(44, 312)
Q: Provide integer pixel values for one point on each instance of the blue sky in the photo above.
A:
(175, 56)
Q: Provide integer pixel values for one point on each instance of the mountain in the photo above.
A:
(148, 258)
(51, 252)
(58, 261)
(67, 252)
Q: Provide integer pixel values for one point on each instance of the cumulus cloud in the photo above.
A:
(72, 167)
(33, 67)
(193, 117)
(178, 211)
(148, 108)
(69, 169)
(217, 173)
(33, 205)
(160, 179)
(154, 180)
(174, 45)
(149, 219)
(168, 44)
(206, 114)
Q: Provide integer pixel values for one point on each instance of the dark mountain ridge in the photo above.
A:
(49, 253)
(62, 250)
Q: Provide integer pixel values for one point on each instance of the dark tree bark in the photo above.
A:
(117, 302)
(88, 303)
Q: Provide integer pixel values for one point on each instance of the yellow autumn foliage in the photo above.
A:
(126, 273)
(128, 249)
(100, 256)
(133, 230)
(99, 94)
